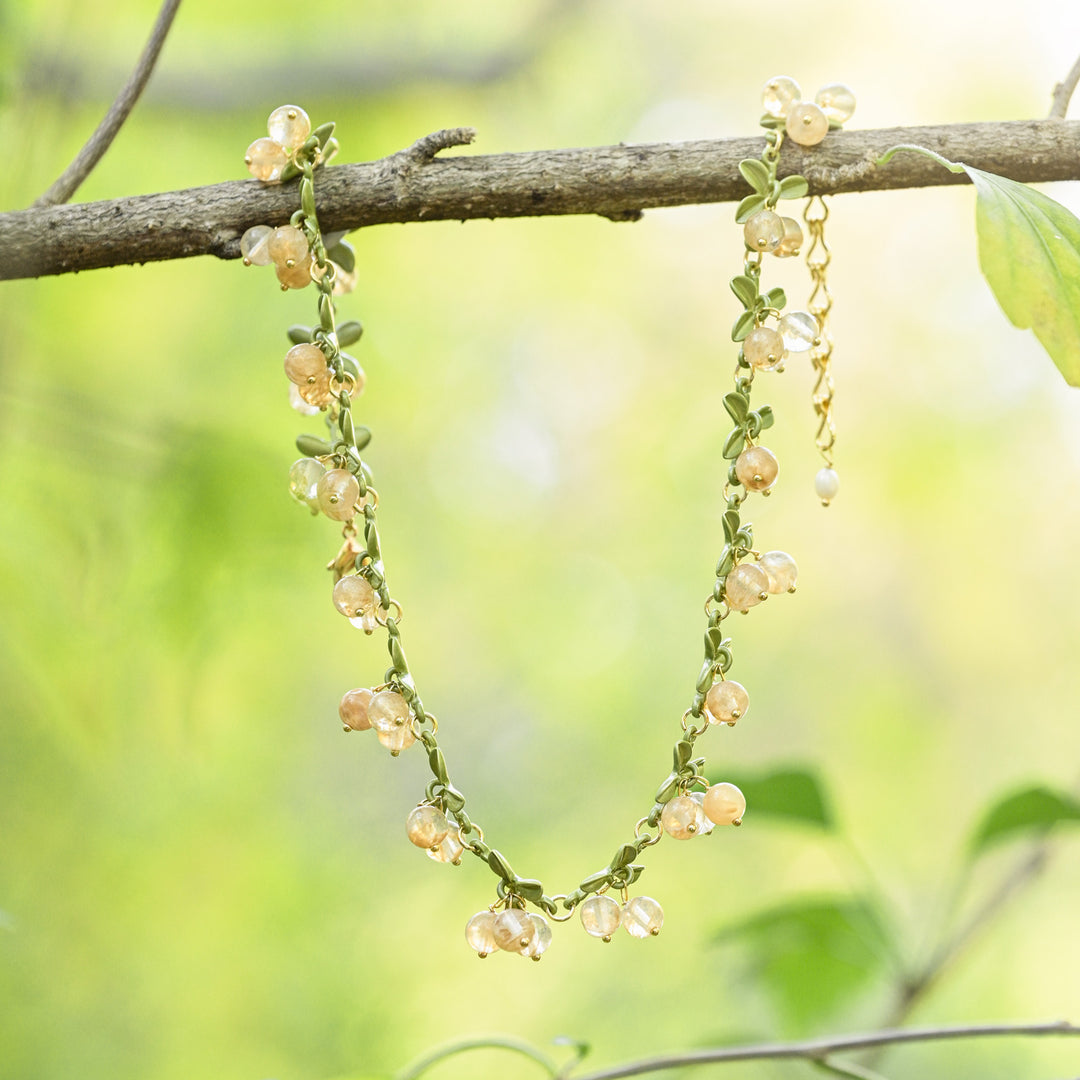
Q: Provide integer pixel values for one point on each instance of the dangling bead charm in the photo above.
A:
(792, 240)
(800, 331)
(514, 930)
(746, 586)
(726, 702)
(354, 598)
(480, 933)
(266, 159)
(826, 485)
(451, 849)
(254, 246)
(781, 571)
(643, 917)
(304, 477)
(806, 123)
(353, 709)
(541, 940)
(705, 826)
(289, 125)
(601, 916)
(389, 715)
(757, 468)
(764, 231)
(288, 246)
(779, 94)
(837, 102)
(681, 818)
(427, 827)
(339, 492)
(764, 349)
(725, 804)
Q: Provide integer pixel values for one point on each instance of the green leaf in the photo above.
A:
(755, 174)
(312, 445)
(793, 187)
(776, 298)
(349, 333)
(736, 406)
(497, 861)
(791, 794)
(1033, 810)
(344, 255)
(734, 443)
(748, 207)
(766, 416)
(743, 325)
(1029, 253)
(745, 288)
(731, 524)
(299, 335)
(813, 955)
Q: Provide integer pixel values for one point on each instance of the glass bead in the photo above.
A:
(345, 281)
(451, 849)
(299, 404)
(792, 240)
(367, 621)
(680, 817)
(757, 468)
(781, 570)
(601, 916)
(397, 740)
(353, 709)
(317, 394)
(837, 102)
(779, 94)
(800, 330)
(294, 277)
(480, 932)
(763, 231)
(514, 930)
(254, 245)
(643, 917)
(746, 586)
(427, 827)
(726, 702)
(353, 596)
(705, 826)
(305, 363)
(806, 123)
(725, 804)
(826, 485)
(764, 349)
(542, 939)
(389, 712)
(288, 246)
(338, 493)
(304, 477)
(265, 159)
(289, 125)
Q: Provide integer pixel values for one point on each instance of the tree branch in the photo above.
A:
(91, 153)
(614, 181)
(1063, 92)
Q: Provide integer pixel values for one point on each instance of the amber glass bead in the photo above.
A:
(764, 349)
(451, 849)
(353, 596)
(304, 477)
(317, 394)
(514, 930)
(388, 711)
(746, 586)
(643, 917)
(265, 159)
(427, 827)
(779, 94)
(725, 804)
(806, 123)
(680, 818)
(339, 493)
(601, 916)
(397, 740)
(726, 702)
(288, 246)
(837, 102)
(305, 363)
(299, 404)
(757, 468)
(763, 231)
(353, 709)
(290, 126)
(480, 933)
(295, 277)
(781, 570)
(705, 826)
(254, 246)
(792, 240)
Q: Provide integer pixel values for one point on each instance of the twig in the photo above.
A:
(615, 181)
(847, 1068)
(494, 1042)
(1063, 92)
(91, 153)
(819, 1051)
(425, 148)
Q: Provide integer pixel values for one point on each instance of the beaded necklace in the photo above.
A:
(333, 478)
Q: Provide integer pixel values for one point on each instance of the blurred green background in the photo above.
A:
(200, 876)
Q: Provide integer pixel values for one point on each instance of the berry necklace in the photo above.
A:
(333, 478)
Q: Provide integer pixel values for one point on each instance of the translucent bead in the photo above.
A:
(800, 330)
(367, 621)
(305, 363)
(781, 570)
(727, 701)
(480, 932)
(764, 349)
(757, 468)
(427, 827)
(643, 917)
(826, 485)
(779, 94)
(806, 123)
(289, 125)
(353, 709)
(299, 404)
(345, 281)
(288, 246)
(353, 596)
(294, 277)
(542, 939)
(763, 231)
(601, 916)
(254, 245)
(317, 394)
(705, 826)
(514, 930)
(746, 586)
(837, 102)
(338, 492)
(397, 740)
(304, 477)
(451, 849)
(680, 818)
(792, 240)
(265, 159)
(725, 804)
(389, 712)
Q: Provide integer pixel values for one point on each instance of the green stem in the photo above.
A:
(952, 166)
(465, 1045)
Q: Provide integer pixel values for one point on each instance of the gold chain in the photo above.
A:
(818, 257)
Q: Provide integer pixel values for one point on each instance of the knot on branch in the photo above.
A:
(424, 149)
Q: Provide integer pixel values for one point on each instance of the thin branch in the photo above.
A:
(91, 153)
(819, 1051)
(614, 181)
(1063, 92)
(493, 1042)
(848, 1069)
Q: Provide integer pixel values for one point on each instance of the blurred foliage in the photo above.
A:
(1034, 810)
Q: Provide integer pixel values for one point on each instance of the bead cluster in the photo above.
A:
(807, 122)
(332, 479)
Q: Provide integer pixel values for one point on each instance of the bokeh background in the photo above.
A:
(201, 876)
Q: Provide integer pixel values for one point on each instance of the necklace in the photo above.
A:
(333, 479)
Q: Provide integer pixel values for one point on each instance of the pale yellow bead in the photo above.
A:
(826, 485)
(763, 231)
(353, 709)
(426, 827)
(806, 123)
(601, 916)
(305, 363)
(746, 586)
(295, 277)
(254, 245)
(837, 102)
(779, 94)
(299, 404)
(541, 940)
(304, 477)
(643, 917)
(451, 849)
(514, 930)
(764, 349)
(680, 818)
(338, 492)
(289, 125)
(288, 246)
(726, 702)
(757, 468)
(353, 596)
(265, 159)
(781, 570)
(792, 240)
(317, 394)
(705, 826)
(389, 712)
(725, 804)
(800, 331)
(397, 740)
(480, 933)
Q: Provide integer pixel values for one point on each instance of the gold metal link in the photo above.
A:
(818, 257)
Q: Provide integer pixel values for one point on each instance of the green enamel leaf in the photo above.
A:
(743, 325)
(737, 406)
(748, 207)
(793, 187)
(344, 255)
(745, 288)
(299, 335)
(776, 298)
(1024, 813)
(1029, 253)
(733, 444)
(755, 174)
